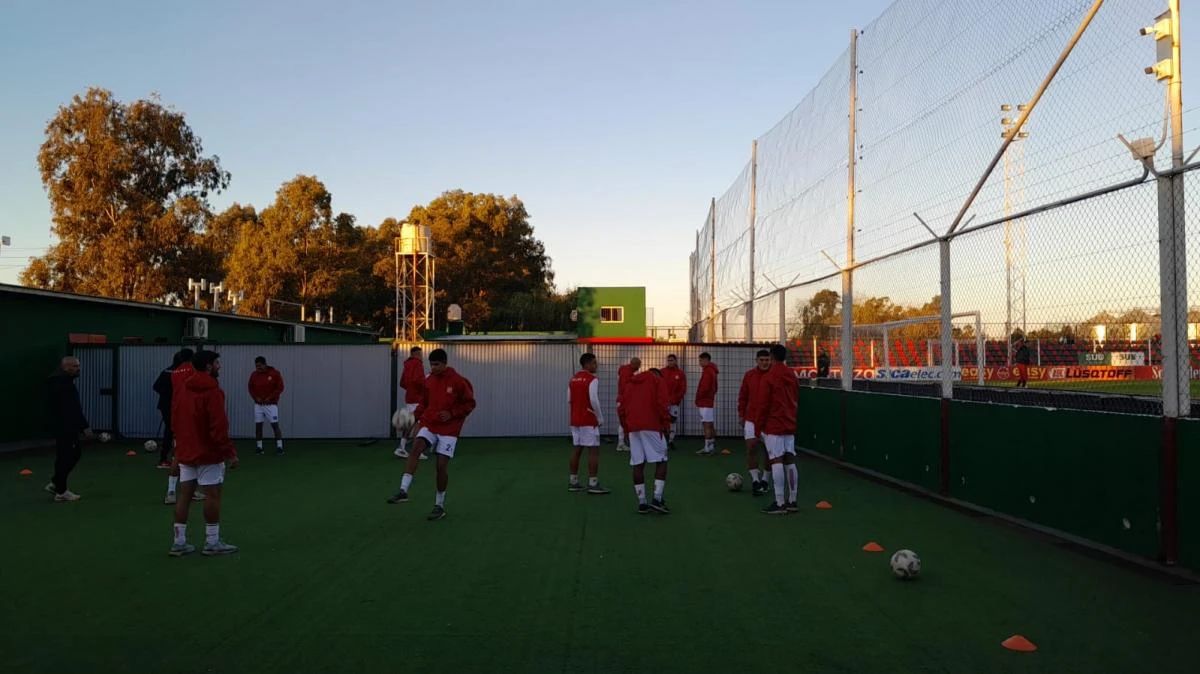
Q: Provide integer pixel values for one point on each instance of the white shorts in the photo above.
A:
(266, 413)
(206, 475)
(440, 444)
(585, 436)
(707, 415)
(750, 433)
(674, 410)
(778, 445)
(647, 447)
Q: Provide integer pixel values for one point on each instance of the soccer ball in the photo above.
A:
(105, 437)
(150, 445)
(403, 420)
(906, 564)
(733, 481)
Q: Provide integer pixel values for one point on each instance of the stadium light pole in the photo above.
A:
(1014, 270)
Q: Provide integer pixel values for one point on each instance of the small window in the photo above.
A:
(612, 314)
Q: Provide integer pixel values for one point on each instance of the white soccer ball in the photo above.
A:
(150, 445)
(105, 437)
(906, 564)
(403, 420)
(734, 481)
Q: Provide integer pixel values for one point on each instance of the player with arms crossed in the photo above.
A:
(202, 448)
(676, 382)
(750, 406)
(645, 416)
(706, 398)
(445, 404)
(781, 401)
(266, 385)
(623, 374)
(179, 395)
(412, 380)
(583, 393)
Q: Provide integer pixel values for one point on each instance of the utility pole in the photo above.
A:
(1014, 232)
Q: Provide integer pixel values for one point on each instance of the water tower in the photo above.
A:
(415, 269)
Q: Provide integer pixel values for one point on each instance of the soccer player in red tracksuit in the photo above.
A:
(412, 380)
(202, 448)
(644, 415)
(750, 406)
(676, 382)
(623, 374)
(266, 386)
(447, 401)
(179, 393)
(706, 398)
(583, 396)
(781, 400)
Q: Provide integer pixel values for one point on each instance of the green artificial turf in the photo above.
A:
(523, 576)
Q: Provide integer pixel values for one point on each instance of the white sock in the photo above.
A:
(258, 444)
(279, 443)
(621, 437)
(640, 489)
(793, 481)
(575, 478)
(710, 443)
(755, 474)
(172, 482)
(212, 534)
(440, 499)
(780, 482)
(403, 443)
(405, 482)
(659, 487)
(593, 481)
(180, 534)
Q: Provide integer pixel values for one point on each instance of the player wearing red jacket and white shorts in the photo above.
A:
(202, 448)
(644, 414)
(412, 380)
(266, 386)
(447, 401)
(583, 397)
(623, 374)
(750, 404)
(781, 401)
(676, 382)
(706, 400)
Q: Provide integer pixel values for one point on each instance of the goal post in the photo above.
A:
(874, 348)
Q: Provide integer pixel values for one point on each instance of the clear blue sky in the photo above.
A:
(615, 122)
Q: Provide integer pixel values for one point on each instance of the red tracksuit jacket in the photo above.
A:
(585, 407)
(202, 435)
(644, 406)
(706, 391)
(781, 401)
(623, 374)
(266, 386)
(447, 391)
(412, 380)
(752, 396)
(676, 384)
(179, 394)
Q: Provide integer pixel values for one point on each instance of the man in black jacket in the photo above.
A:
(68, 421)
(162, 386)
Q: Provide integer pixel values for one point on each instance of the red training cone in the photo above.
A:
(1018, 643)
(26, 471)
(131, 453)
(824, 505)
(873, 547)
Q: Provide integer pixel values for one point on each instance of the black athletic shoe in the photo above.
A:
(438, 513)
(598, 489)
(759, 488)
(793, 507)
(574, 486)
(400, 497)
(775, 509)
(643, 509)
(259, 451)
(660, 506)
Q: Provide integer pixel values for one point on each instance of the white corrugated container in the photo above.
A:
(95, 384)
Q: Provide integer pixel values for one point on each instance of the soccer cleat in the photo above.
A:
(50, 488)
(279, 451)
(793, 507)
(574, 486)
(424, 456)
(598, 489)
(706, 452)
(170, 499)
(218, 548)
(775, 509)
(181, 549)
(643, 509)
(67, 495)
(198, 496)
(401, 453)
(399, 497)
(671, 446)
(661, 506)
(163, 464)
(259, 451)
(437, 513)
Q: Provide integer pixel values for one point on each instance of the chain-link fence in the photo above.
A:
(891, 167)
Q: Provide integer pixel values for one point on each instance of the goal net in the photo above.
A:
(910, 349)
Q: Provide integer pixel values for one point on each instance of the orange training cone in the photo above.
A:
(824, 505)
(131, 453)
(26, 471)
(873, 547)
(1018, 643)
(726, 452)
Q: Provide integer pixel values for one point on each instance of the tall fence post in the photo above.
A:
(753, 217)
(712, 270)
(847, 280)
(946, 338)
(1172, 255)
